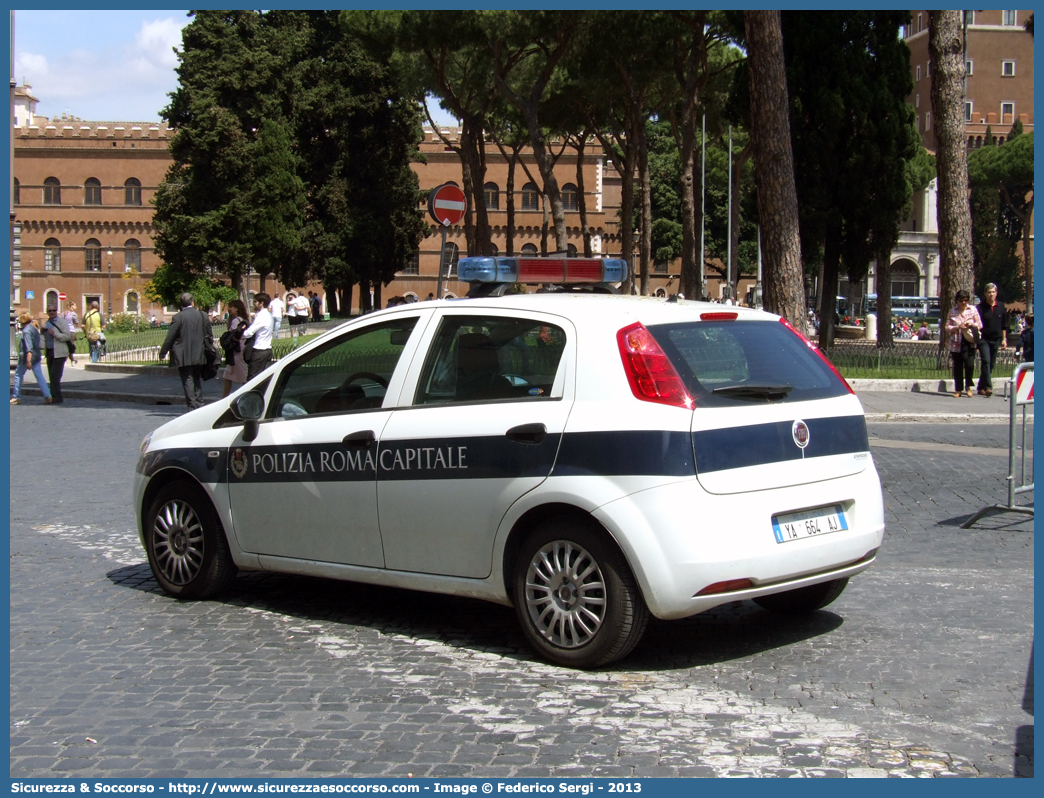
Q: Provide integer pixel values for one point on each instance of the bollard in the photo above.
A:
(871, 326)
(1021, 395)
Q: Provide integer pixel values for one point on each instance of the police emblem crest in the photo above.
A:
(238, 464)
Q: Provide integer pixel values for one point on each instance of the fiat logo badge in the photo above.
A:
(800, 433)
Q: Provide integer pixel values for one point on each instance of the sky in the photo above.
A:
(104, 65)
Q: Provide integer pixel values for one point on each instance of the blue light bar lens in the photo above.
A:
(479, 269)
(615, 270)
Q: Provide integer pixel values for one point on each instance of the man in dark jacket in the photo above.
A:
(994, 318)
(188, 340)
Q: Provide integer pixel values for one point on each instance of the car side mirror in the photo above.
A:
(249, 408)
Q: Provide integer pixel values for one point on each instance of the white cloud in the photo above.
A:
(157, 40)
(30, 64)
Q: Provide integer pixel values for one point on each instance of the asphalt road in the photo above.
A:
(923, 667)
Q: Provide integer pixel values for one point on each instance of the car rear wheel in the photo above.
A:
(803, 599)
(575, 596)
(185, 544)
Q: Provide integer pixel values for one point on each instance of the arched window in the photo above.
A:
(570, 250)
(530, 198)
(132, 255)
(17, 197)
(131, 302)
(92, 255)
(449, 260)
(132, 191)
(52, 191)
(491, 194)
(51, 298)
(529, 249)
(92, 191)
(496, 250)
(570, 201)
(52, 255)
(905, 279)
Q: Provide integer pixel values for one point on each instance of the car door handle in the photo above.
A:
(364, 439)
(528, 433)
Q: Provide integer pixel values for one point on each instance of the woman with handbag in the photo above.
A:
(963, 327)
(236, 368)
(92, 329)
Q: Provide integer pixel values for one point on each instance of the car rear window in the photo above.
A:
(729, 363)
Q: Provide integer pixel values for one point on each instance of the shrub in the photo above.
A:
(125, 322)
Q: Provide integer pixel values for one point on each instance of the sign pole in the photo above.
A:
(442, 259)
(447, 205)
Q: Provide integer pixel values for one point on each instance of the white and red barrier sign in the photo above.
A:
(1024, 387)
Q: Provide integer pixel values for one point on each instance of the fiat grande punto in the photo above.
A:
(590, 459)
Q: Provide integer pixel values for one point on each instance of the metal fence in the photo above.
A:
(144, 346)
(906, 360)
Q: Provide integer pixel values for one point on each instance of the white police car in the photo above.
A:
(588, 458)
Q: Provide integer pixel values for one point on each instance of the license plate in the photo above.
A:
(809, 523)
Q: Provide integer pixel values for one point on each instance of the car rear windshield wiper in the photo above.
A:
(750, 391)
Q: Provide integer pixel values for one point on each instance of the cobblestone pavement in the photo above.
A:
(922, 668)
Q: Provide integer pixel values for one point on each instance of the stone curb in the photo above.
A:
(112, 396)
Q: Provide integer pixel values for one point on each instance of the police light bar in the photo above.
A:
(480, 269)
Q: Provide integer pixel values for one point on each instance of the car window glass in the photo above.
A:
(349, 374)
(739, 362)
(485, 358)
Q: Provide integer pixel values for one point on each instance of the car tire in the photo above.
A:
(185, 543)
(575, 596)
(803, 599)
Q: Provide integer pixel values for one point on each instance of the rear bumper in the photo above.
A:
(679, 539)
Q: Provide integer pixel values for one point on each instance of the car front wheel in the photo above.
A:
(803, 599)
(575, 596)
(185, 544)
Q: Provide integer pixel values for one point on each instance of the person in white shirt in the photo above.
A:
(299, 308)
(260, 330)
(276, 308)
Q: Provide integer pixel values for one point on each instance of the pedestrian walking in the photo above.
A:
(258, 354)
(73, 323)
(301, 310)
(235, 372)
(317, 306)
(277, 309)
(1027, 340)
(963, 327)
(92, 329)
(994, 318)
(56, 349)
(188, 341)
(29, 358)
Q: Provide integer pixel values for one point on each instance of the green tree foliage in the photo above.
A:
(291, 154)
(1001, 177)
(169, 283)
(357, 134)
(231, 196)
(849, 75)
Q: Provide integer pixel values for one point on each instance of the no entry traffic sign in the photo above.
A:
(61, 297)
(447, 204)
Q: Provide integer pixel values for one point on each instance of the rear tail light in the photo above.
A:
(720, 315)
(816, 349)
(650, 373)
